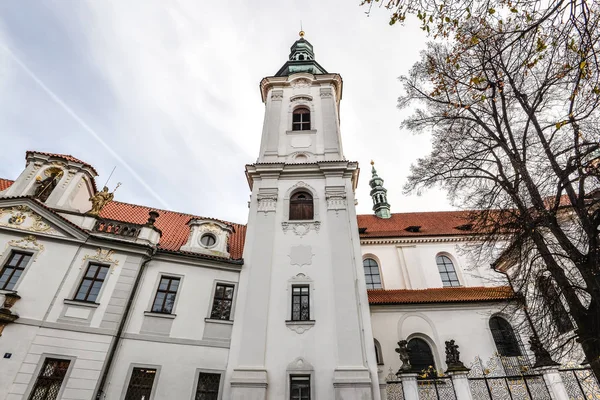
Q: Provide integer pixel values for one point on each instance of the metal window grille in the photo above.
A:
(140, 384)
(301, 120)
(92, 283)
(222, 302)
(48, 383)
(301, 206)
(208, 386)
(165, 295)
(421, 357)
(504, 337)
(12, 269)
(300, 387)
(300, 303)
(372, 276)
(447, 271)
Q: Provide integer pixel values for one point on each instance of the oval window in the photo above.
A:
(208, 240)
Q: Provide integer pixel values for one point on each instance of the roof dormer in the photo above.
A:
(208, 237)
(57, 180)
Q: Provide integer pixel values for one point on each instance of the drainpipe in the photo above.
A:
(115, 344)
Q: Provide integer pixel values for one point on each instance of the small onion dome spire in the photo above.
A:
(379, 195)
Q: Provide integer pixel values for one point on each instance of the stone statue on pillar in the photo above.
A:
(453, 357)
(404, 354)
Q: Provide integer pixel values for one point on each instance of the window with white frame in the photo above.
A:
(164, 301)
(300, 387)
(92, 282)
(140, 384)
(50, 379)
(222, 301)
(447, 271)
(208, 386)
(13, 269)
(300, 303)
(372, 277)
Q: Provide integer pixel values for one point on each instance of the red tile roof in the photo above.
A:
(438, 223)
(440, 295)
(65, 157)
(5, 183)
(173, 225)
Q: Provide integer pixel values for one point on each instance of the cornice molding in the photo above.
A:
(413, 240)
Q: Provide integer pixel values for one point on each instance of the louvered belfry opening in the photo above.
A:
(47, 386)
(301, 206)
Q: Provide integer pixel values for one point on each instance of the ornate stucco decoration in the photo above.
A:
(300, 83)
(325, 92)
(277, 95)
(27, 243)
(301, 255)
(267, 200)
(24, 218)
(208, 237)
(301, 97)
(301, 228)
(102, 255)
(336, 198)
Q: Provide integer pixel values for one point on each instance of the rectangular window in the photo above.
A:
(222, 302)
(12, 269)
(208, 386)
(50, 379)
(92, 283)
(300, 387)
(165, 295)
(140, 384)
(300, 303)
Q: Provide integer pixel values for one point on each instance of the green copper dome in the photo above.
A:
(379, 195)
(302, 59)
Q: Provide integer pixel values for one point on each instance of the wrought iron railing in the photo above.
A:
(439, 388)
(580, 383)
(393, 387)
(117, 228)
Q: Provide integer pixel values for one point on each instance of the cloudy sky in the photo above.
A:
(167, 91)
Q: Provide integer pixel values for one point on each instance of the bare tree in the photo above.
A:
(515, 124)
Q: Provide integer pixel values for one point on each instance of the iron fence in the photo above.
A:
(393, 387)
(438, 388)
(580, 383)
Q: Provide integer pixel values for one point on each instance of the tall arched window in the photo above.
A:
(420, 355)
(447, 271)
(378, 353)
(301, 119)
(552, 300)
(372, 276)
(504, 337)
(301, 206)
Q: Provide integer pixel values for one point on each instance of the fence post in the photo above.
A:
(554, 382)
(409, 385)
(461, 385)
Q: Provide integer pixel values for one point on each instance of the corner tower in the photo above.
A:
(302, 328)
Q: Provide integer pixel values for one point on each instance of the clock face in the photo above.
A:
(208, 240)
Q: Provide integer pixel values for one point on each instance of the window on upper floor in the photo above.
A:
(372, 277)
(300, 303)
(447, 271)
(222, 302)
(300, 387)
(301, 206)
(140, 384)
(91, 283)
(420, 355)
(208, 386)
(50, 379)
(301, 119)
(554, 304)
(12, 269)
(165, 295)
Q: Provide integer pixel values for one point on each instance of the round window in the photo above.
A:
(208, 240)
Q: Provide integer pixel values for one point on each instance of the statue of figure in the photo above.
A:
(542, 356)
(453, 357)
(99, 200)
(45, 187)
(404, 354)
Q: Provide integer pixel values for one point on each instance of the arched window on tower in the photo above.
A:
(301, 119)
(420, 355)
(301, 206)
(372, 277)
(447, 271)
(552, 301)
(505, 338)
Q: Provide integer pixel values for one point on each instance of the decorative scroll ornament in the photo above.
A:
(301, 228)
(27, 243)
(404, 354)
(102, 255)
(300, 83)
(22, 217)
(300, 327)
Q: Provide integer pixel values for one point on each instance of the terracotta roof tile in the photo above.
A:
(173, 225)
(5, 183)
(439, 223)
(440, 295)
(66, 157)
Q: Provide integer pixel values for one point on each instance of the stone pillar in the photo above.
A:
(461, 385)
(409, 385)
(554, 382)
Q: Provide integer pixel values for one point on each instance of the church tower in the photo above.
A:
(302, 327)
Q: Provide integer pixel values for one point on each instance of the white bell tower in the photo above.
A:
(302, 327)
